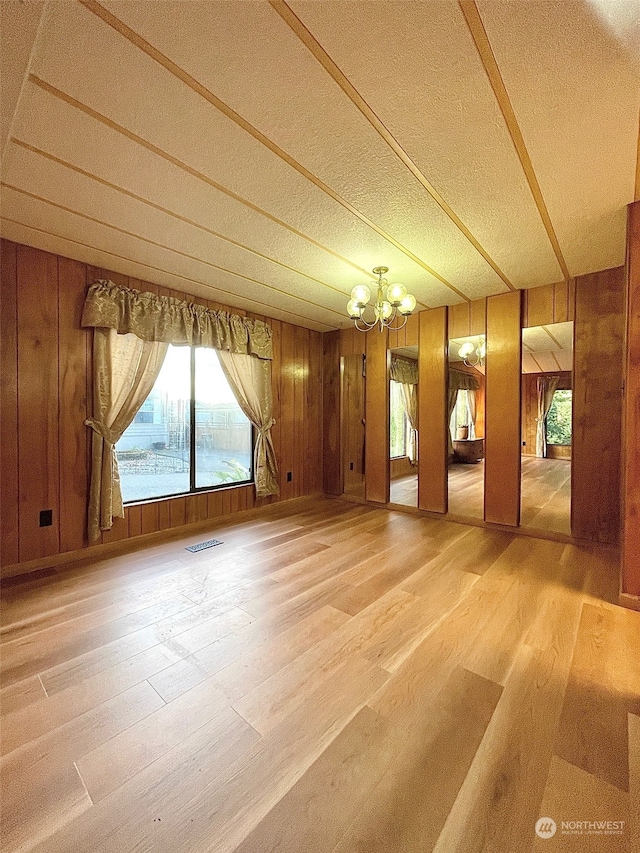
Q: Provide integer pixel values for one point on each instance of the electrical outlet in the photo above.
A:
(289, 476)
(351, 466)
(46, 517)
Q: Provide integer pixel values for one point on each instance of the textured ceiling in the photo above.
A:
(269, 155)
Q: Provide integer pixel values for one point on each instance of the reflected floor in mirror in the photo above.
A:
(546, 494)
(404, 490)
(466, 489)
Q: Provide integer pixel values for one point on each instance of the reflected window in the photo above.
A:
(461, 415)
(398, 422)
(559, 419)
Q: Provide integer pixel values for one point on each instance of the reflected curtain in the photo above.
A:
(471, 399)
(458, 381)
(410, 404)
(546, 387)
(250, 381)
(125, 370)
(404, 371)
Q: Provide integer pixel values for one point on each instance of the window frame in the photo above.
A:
(405, 421)
(193, 489)
(546, 427)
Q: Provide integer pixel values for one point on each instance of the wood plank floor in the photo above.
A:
(334, 678)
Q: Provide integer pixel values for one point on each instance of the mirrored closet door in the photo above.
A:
(547, 362)
(466, 419)
(403, 426)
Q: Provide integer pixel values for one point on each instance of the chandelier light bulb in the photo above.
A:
(466, 350)
(386, 310)
(396, 293)
(361, 295)
(407, 305)
(353, 309)
(482, 350)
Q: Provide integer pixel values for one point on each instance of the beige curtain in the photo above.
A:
(546, 387)
(452, 397)
(405, 372)
(410, 404)
(250, 381)
(471, 398)
(125, 370)
(458, 381)
(163, 318)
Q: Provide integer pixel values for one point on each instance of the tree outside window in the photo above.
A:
(559, 419)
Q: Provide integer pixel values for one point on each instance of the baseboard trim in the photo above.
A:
(631, 602)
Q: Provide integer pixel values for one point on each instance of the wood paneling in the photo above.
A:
(539, 305)
(458, 320)
(331, 454)
(353, 419)
(631, 414)
(411, 331)
(377, 418)
(597, 405)
(502, 437)
(551, 303)
(432, 411)
(38, 401)
(467, 318)
(46, 396)
(74, 463)
(9, 552)
(478, 317)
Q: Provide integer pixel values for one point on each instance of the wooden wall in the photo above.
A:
(467, 318)
(46, 395)
(597, 405)
(631, 418)
(332, 482)
(530, 411)
(353, 419)
(551, 303)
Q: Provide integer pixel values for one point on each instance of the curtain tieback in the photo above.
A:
(264, 429)
(101, 429)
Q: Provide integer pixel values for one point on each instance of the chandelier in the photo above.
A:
(392, 302)
(473, 354)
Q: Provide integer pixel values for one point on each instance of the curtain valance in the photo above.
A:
(403, 370)
(165, 319)
(460, 381)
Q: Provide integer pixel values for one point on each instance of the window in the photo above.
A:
(398, 422)
(189, 434)
(461, 415)
(559, 419)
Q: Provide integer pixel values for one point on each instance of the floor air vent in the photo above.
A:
(202, 545)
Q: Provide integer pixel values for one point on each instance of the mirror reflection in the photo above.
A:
(352, 415)
(465, 409)
(403, 426)
(547, 362)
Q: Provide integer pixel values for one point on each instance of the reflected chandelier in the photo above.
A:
(392, 301)
(473, 355)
